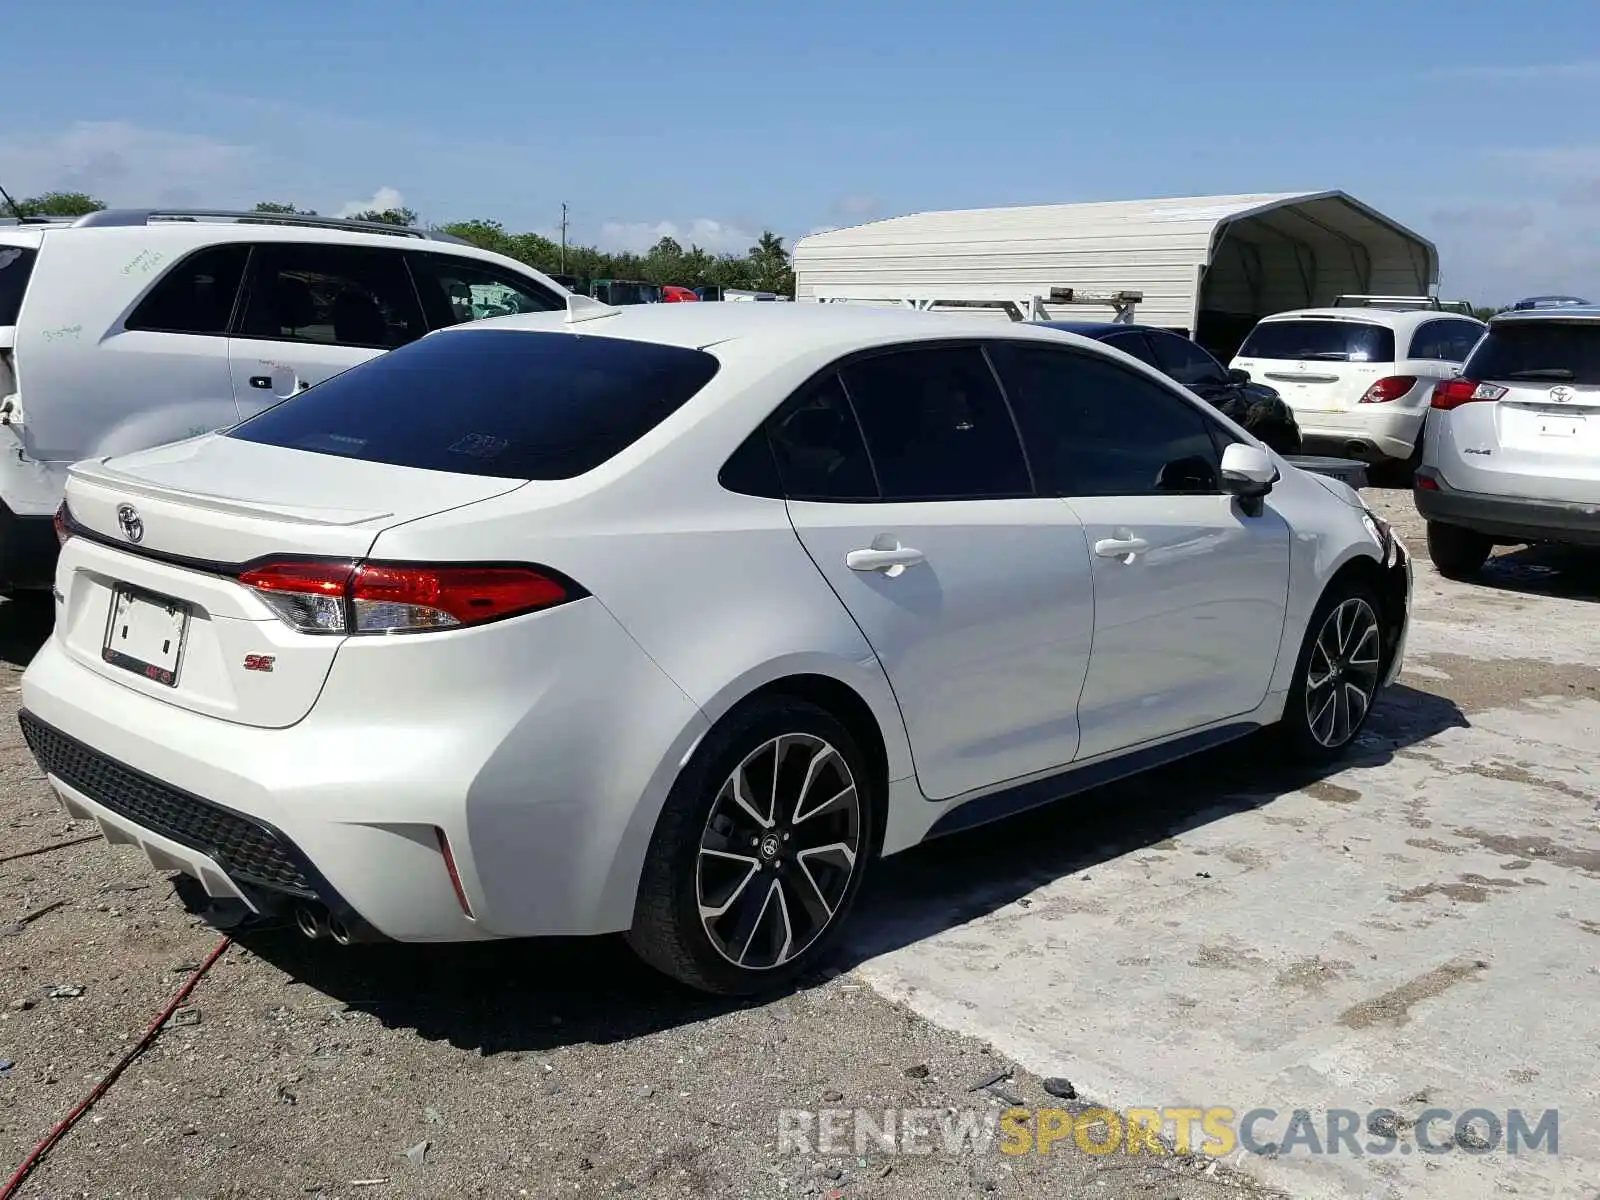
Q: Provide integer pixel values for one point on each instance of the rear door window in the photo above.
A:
(1538, 351)
(332, 295)
(936, 425)
(1444, 340)
(456, 289)
(16, 264)
(1186, 362)
(502, 403)
(197, 295)
(1326, 341)
(1135, 344)
(818, 448)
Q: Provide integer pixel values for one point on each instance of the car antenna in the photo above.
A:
(12, 204)
(586, 308)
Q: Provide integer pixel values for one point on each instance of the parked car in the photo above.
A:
(677, 626)
(624, 291)
(673, 294)
(1359, 378)
(1512, 450)
(1253, 405)
(570, 282)
(126, 329)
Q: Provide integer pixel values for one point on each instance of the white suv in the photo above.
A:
(1512, 451)
(1359, 378)
(127, 329)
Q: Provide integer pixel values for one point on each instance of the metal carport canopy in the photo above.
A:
(1245, 255)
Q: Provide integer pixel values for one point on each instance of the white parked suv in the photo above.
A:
(672, 619)
(1359, 378)
(126, 329)
(1512, 451)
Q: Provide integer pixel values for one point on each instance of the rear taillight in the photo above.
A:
(63, 523)
(352, 597)
(1453, 393)
(1389, 388)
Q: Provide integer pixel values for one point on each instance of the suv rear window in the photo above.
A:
(16, 264)
(1328, 341)
(502, 403)
(1538, 351)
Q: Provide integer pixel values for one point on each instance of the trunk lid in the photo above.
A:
(149, 596)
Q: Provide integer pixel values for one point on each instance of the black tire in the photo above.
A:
(668, 932)
(1457, 553)
(1309, 731)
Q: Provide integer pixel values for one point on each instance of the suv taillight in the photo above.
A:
(1390, 388)
(63, 523)
(1453, 393)
(317, 596)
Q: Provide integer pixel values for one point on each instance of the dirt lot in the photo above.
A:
(1236, 920)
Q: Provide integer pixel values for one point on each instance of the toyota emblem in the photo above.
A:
(131, 522)
(1561, 394)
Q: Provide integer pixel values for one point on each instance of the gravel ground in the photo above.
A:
(539, 1069)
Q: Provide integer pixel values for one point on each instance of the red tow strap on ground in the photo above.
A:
(100, 1089)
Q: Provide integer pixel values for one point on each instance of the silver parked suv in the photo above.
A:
(1511, 449)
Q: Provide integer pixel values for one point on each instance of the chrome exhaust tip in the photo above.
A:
(310, 922)
(338, 932)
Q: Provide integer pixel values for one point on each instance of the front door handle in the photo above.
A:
(891, 561)
(1123, 548)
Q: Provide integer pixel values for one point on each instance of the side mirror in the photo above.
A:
(1238, 375)
(1248, 472)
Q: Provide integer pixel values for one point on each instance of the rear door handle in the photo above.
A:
(264, 382)
(1123, 548)
(891, 561)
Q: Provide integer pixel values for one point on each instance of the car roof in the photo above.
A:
(1565, 312)
(737, 328)
(1391, 318)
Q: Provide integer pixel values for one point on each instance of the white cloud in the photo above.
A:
(856, 208)
(717, 237)
(382, 200)
(128, 165)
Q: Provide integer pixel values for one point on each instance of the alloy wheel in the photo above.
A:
(779, 851)
(1342, 675)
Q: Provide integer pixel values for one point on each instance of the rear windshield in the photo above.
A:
(1538, 351)
(1327, 341)
(503, 403)
(16, 264)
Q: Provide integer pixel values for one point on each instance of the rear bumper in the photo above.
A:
(1369, 432)
(1510, 518)
(542, 759)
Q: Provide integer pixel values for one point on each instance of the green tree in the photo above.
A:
(387, 216)
(769, 262)
(59, 204)
(272, 206)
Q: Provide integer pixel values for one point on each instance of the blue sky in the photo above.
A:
(1472, 123)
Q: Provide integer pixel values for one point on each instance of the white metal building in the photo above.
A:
(1209, 265)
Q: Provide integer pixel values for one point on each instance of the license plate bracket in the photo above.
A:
(145, 634)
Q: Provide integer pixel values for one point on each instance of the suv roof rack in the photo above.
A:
(146, 216)
(36, 220)
(1402, 303)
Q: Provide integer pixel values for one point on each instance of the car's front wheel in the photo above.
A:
(1458, 553)
(1337, 677)
(759, 850)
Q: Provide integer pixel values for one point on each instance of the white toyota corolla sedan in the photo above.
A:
(673, 619)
